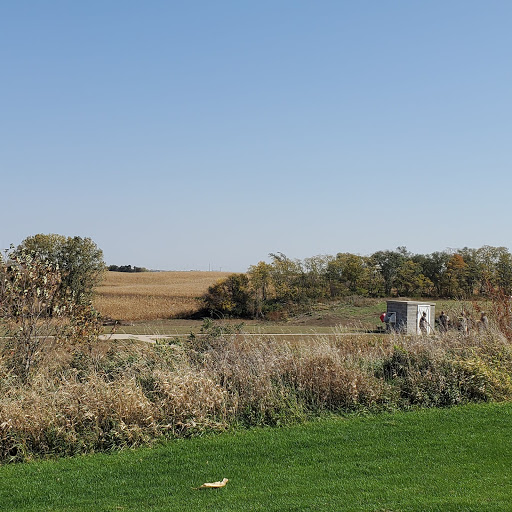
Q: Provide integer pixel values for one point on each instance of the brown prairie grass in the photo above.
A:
(152, 295)
(126, 394)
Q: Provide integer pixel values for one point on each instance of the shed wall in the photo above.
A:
(400, 308)
(407, 315)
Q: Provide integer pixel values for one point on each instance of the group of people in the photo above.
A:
(465, 323)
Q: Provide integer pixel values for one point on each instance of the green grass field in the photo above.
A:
(456, 459)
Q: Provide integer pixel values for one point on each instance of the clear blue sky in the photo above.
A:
(207, 134)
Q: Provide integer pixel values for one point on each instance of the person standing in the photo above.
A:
(443, 322)
(464, 323)
(483, 323)
(423, 323)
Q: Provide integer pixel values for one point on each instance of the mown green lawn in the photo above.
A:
(456, 459)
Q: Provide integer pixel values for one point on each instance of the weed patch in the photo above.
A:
(96, 398)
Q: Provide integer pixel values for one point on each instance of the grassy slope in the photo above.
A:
(154, 301)
(354, 315)
(431, 460)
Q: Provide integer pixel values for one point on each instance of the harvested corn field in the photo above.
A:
(152, 295)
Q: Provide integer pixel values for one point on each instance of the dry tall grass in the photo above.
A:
(152, 295)
(128, 394)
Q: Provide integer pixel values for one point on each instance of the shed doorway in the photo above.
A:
(421, 310)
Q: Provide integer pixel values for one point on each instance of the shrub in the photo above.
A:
(36, 316)
(79, 260)
(29, 292)
(230, 297)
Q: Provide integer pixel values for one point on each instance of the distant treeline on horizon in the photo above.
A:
(126, 268)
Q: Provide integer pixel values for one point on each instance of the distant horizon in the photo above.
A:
(448, 250)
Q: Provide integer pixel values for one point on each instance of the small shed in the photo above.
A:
(404, 315)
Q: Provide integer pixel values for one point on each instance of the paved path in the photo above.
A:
(151, 338)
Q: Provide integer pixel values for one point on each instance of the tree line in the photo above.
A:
(285, 284)
(126, 268)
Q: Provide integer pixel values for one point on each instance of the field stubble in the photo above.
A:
(152, 295)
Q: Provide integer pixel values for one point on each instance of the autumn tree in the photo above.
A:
(79, 261)
(230, 297)
(28, 286)
(260, 283)
(29, 291)
(349, 274)
(285, 275)
(388, 263)
(455, 279)
(410, 280)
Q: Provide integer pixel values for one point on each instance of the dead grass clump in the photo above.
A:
(108, 400)
(97, 403)
(70, 417)
(190, 401)
(355, 348)
(275, 381)
(254, 371)
(326, 379)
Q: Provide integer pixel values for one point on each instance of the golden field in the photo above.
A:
(152, 295)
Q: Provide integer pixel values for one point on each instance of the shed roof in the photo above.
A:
(419, 303)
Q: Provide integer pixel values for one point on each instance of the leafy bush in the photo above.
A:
(230, 297)
(457, 370)
(78, 260)
(36, 316)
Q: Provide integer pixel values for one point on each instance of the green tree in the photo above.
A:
(489, 260)
(230, 297)
(349, 274)
(313, 281)
(388, 263)
(411, 282)
(433, 266)
(260, 283)
(79, 261)
(504, 272)
(473, 273)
